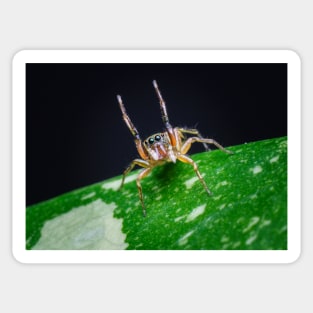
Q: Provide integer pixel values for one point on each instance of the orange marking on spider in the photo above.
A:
(167, 146)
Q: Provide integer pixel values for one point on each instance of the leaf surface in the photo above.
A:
(248, 208)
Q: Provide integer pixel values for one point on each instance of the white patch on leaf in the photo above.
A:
(274, 159)
(265, 223)
(115, 184)
(183, 240)
(217, 197)
(236, 244)
(89, 195)
(222, 183)
(251, 239)
(88, 227)
(257, 169)
(224, 239)
(195, 213)
(254, 196)
(254, 220)
(189, 183)
(222, 206)
(177, 219)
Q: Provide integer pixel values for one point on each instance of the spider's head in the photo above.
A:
(157, 146)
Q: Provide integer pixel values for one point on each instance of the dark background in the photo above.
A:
(75, 134)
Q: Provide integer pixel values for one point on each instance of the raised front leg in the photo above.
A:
(165, 119)
(132, 129)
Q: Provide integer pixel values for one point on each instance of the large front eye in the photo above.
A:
(151, 141)
(157, 137)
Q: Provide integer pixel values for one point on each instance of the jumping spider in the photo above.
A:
(167, 146)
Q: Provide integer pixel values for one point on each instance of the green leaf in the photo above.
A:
(248, 208)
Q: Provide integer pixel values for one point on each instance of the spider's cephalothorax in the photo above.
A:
(169, 146)
(159, 148)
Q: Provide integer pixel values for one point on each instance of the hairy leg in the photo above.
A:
(135, 162)
(185, 159)
(132, 129)
(142, 175)
(164, 115)
(187, 144)
(193, 131)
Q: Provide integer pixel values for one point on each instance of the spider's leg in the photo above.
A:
(127, 120)
(164, 115)
(162, 105)
(187, 144)
(185, 159)
(142, 175)
(135, 162)
(132, 129)
(193, 131)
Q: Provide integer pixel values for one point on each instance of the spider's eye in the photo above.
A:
(157, 137)
(151, 140)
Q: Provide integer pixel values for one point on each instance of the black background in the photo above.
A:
(75, 134)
